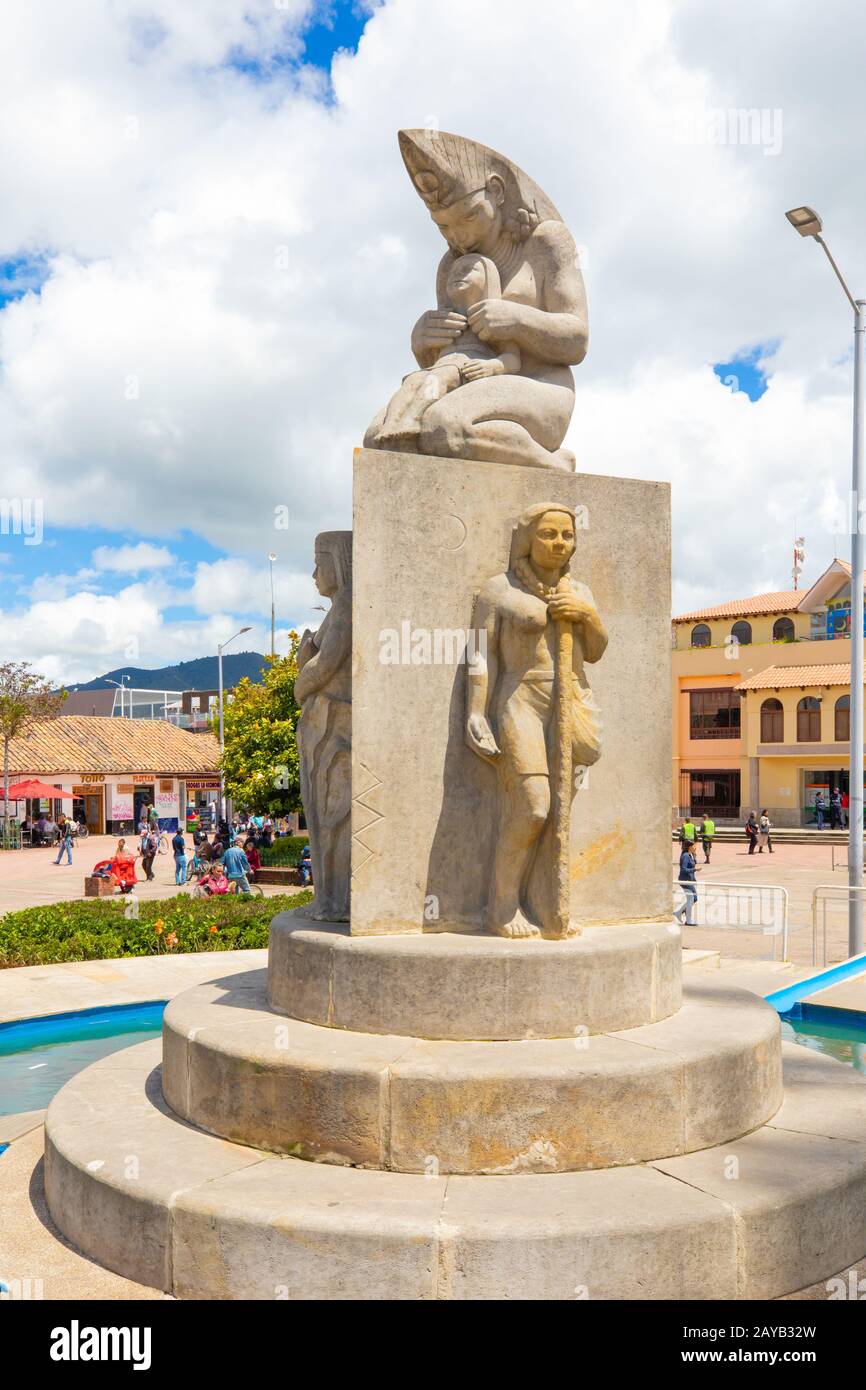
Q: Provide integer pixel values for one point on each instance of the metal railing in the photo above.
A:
(820, 898)
(741, 906)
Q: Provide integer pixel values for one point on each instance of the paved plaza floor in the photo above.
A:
(30, 876)
(799, 869)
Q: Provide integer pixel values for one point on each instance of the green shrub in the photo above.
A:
(98, 929)
(284, 851)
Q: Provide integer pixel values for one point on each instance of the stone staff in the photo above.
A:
(561, 770)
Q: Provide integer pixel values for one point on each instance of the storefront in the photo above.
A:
(202, 801)
(120, 768)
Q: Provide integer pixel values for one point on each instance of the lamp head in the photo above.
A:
(804, 220)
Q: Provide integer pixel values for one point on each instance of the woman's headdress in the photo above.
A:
(338, 544)
(444, 168)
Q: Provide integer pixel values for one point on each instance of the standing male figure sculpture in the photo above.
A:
(483, 204)
(323, 689)
(531, 714)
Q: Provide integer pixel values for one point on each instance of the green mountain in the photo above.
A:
(200, 674)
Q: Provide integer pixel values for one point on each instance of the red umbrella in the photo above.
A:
(20, 791)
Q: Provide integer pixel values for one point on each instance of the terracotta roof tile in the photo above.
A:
(784, 677)
(88, 743)
(785, 601)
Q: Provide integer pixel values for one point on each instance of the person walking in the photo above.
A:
(237, 866)
(688, 869)
(819, 810)
(708, 830)
(149, 846)
(764, 828)
(752, 831)
(845, 803)
(835, 809)
(178, 846)
(65, 828)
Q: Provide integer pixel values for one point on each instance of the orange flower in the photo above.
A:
(158, 926)
(212, 930)
(171, 939)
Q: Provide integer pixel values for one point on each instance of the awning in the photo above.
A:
(40, 791)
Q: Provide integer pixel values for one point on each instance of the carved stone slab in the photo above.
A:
(428, 533)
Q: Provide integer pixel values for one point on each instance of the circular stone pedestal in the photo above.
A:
(474, 988)
(708, 1074)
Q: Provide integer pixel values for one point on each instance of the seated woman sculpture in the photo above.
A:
(471, 280)
(483, 204)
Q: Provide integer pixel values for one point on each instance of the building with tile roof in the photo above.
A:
(761, 702)
(112, 767)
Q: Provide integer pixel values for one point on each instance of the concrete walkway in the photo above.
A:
(30, 991)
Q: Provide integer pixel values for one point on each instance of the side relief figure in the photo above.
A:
(323, 689)
(531, 714)
(532, 317)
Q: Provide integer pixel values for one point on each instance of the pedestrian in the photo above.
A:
(688, 831)
(845, 803)
(835, 809)
(819, 810)
(764, 828)
(252, 855)
(178, 845)
(708, 830)
(752, 831)
(237, 866)
(688, 869)
(152, 817)
(65, 828)
(149, 846)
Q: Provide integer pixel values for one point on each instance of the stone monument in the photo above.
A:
(488, 1082)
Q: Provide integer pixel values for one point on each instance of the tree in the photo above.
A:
(260, 761)
(26, 698)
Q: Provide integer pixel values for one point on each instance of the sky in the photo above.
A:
(211, 258)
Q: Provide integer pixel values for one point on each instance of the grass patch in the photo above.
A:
(100, 929)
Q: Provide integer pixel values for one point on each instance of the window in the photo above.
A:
(742, 633)
(714, 713)
(772, 721)
(783, 630)
(701, 635)
(842, 731)
(809, 720)
(715, 792)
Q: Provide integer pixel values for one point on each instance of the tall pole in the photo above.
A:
(855, 774)
(272, 558)
(222, 736)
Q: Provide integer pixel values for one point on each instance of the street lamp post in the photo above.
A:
(807, 222)
(121, 687)
(221, 646)
(271, 559)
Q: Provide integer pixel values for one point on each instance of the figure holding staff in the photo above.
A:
(531, 714)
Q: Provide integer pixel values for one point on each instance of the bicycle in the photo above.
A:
(163, 844)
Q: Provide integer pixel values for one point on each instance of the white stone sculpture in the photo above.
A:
(530, 712)
(513, 406)
(323, 689)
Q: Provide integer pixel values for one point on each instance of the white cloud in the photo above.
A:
(132, 559)
(235, 266)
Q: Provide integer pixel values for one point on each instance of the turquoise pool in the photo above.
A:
(839, 1033)
(39, 1055)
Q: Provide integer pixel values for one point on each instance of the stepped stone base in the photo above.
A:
(707, 1074)
(465, 987)
(150, 1197)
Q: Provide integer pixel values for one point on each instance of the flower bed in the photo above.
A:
(99, 929)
